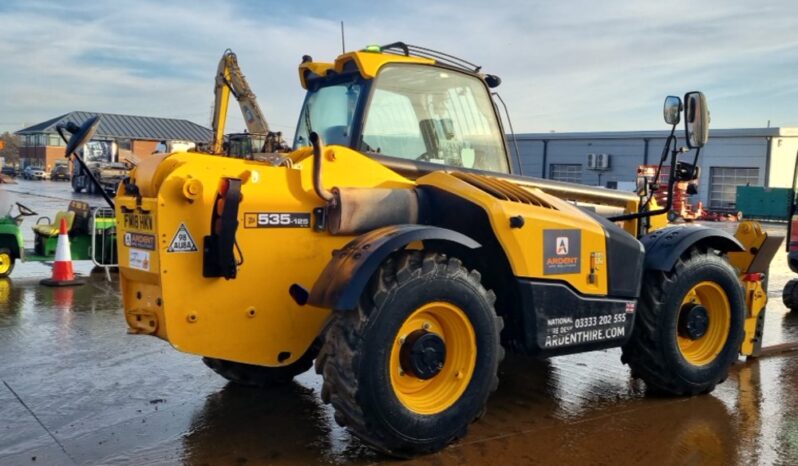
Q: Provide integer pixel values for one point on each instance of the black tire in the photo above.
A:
(653, 352)
(355, 355)
(250, 375)
(6, 255)
(790, 294)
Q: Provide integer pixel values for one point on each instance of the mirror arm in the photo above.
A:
(670, 141)
(512, 132)
(695, 159)
(60, 130)
(93, 179)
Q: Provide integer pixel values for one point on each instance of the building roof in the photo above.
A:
(713, 133)
(128, 127)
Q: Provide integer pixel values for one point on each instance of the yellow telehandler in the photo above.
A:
(394, 247)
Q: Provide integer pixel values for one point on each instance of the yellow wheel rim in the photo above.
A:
(436, 394)
(703, 350)
(5, 263)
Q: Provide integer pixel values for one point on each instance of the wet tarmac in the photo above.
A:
(76, 389)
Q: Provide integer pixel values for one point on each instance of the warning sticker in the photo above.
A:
(139, 259)
(562, 250)
(182, 242)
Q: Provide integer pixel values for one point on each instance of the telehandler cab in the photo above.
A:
(395, 248)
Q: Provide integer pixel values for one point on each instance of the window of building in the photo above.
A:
(723, 182)
(570, 172)
(54, 140)
(124, 144)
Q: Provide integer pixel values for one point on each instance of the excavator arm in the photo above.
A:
(230, 80)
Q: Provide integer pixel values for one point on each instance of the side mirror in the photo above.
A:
(80, 135)
(672, 109)
(696, 119)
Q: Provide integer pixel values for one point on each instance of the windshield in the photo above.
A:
(434, 115)
(329, 111)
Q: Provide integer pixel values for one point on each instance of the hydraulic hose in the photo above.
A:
(318, 186)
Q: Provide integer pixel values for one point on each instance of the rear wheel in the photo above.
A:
(414, 364)
(7, 261)
(689, 326)
(261, 376)
(790, 294)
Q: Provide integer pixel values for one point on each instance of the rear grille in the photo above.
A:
(502, 189)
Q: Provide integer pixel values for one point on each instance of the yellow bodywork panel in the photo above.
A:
(251, 318)
(524, 246)
(368, 63)
(752, 238)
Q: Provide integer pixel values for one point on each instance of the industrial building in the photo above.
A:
(733, 157)
(136, 135)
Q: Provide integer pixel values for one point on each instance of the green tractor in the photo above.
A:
(91, 237)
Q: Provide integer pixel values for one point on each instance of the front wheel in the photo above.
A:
(689, 326)
(789, 296)
(414, 364)
(7, 261)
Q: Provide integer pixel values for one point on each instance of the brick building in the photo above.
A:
(134, 136)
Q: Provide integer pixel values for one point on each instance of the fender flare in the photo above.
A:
(346, 275)
(665, 246)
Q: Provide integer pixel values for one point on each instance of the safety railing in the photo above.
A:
(103, 239)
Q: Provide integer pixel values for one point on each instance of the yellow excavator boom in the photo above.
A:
(230, 80)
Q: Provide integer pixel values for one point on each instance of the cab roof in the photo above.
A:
(369, 61)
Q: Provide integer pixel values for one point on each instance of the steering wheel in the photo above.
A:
(25, 211)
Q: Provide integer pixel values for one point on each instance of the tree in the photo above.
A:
(10, 148)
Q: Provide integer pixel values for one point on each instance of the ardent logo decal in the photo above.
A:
(562, 250)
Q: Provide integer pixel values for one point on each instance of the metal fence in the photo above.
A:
(103, 239)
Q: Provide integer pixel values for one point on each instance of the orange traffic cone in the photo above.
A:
(62, 267)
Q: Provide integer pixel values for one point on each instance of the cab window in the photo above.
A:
(434, 115)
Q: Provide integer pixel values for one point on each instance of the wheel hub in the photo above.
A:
(422, 354)
(693, 321)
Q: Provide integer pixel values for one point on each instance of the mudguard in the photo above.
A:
(343, 280)
(665, 246)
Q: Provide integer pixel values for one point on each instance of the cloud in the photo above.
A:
(569, 65)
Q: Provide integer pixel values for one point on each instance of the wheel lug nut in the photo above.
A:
(460, 374)
(402, 339)
(426, 326)
(401, 373)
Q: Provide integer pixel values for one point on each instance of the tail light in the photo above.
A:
(219, 258)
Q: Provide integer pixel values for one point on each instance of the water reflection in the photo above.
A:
(286, 425)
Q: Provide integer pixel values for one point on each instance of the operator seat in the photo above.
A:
(77, 218)
(52, 229)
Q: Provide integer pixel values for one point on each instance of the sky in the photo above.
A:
(565, 65)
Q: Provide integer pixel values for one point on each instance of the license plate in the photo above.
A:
(138, 221)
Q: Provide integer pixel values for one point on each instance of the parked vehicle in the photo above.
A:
(406, 265)
(91, 237)
(8, 170)
(102, 158)
(60, 173)
(34, 173)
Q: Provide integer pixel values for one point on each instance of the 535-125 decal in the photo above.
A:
(276, 220)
